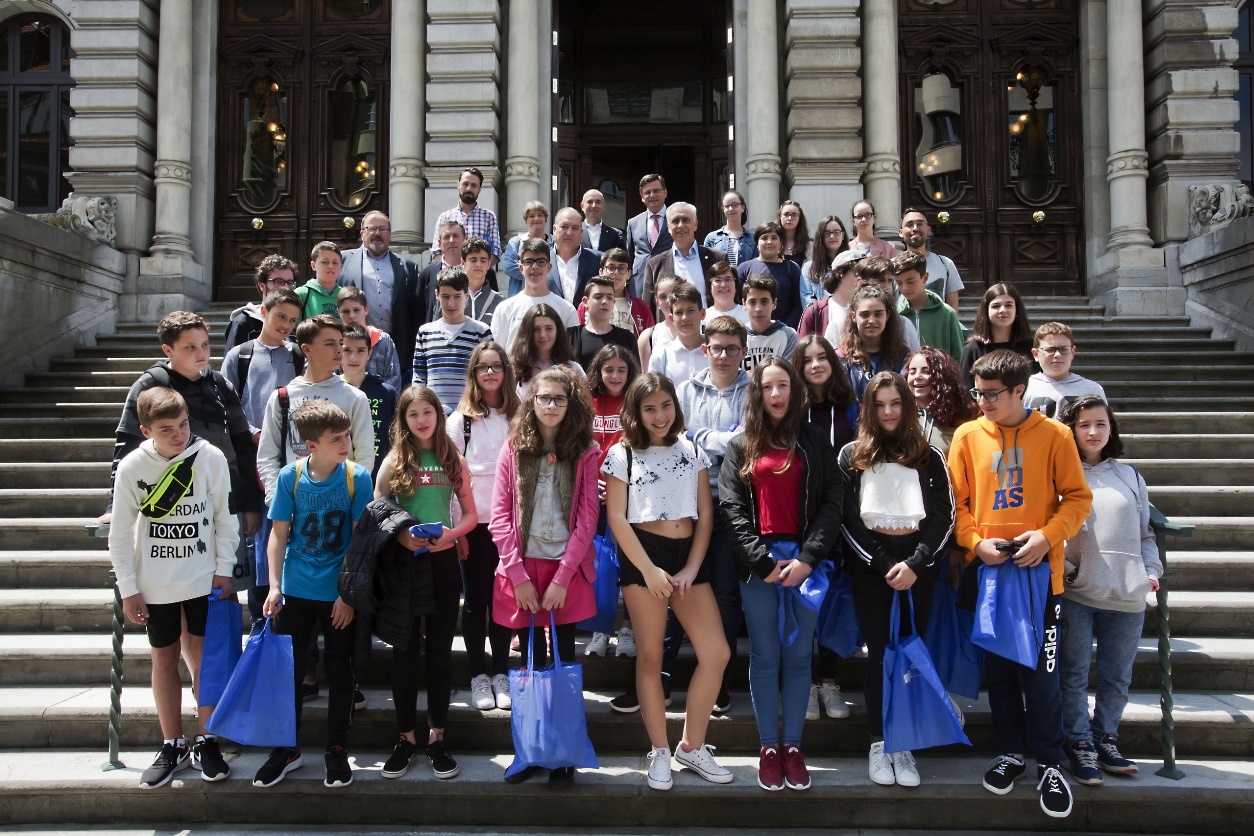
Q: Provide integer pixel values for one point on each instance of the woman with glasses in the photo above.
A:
(831, 240)
(864, 240)
(732, 238)
(1000, 323)
(795, 232)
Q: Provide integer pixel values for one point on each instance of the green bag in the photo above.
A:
(170, 489)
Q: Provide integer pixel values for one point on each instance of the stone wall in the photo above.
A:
(1218, 272)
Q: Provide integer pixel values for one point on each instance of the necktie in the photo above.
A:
(654, 230)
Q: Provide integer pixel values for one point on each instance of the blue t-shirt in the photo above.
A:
(322, 523)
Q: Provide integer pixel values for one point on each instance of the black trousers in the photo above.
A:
(479, 569)
(299, 619)
(441, 626)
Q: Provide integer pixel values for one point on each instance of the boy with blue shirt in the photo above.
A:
(354, 368)
(316, 502)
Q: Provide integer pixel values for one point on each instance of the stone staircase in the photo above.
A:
(1186, 407)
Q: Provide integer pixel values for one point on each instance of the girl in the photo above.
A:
(612, 371)
(864, 240)
(652, 339)
(539, 344)
(872, 341)
(660, 509)
(478, 430)
(832, 407)
(944, 403)
(795, 237)
(1111, 565)
(544, 516)
(898, 513)
(422, 474)
(830, 241)
(1001, 322)
(779, 482)
(733, 239)
(723, 292)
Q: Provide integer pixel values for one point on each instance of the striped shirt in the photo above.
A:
(441, 355)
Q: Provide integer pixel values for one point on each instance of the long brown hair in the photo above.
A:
(471, 404)
(905, 446)
(801, 237)
(612, 351)
(982, 330)
(892, 342)
(523, 355)
(635, 435)
(837, 391)
(951, 403)
(762, 431)
(820, 261)
(574, 435)
(406, 453)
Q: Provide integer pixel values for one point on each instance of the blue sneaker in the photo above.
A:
(1109, 759)
(1083, 759)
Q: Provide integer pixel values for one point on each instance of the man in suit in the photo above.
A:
(452, 237)
(572, 264)
(684, 258)
(646, 233)
(388, 281)
(596, 234)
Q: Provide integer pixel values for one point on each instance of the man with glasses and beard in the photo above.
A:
(389, 283)
(275, 272)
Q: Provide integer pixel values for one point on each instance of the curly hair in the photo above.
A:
(951, 404)
(596, 384)
(837, 391)
(523, 354)
(761, 430)
(471, 404)
(407, 450)
(905, 446)
(635, 434)
(574, 434)
(982, 329)
(892, 342)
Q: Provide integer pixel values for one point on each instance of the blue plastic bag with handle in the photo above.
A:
(808, 594)
(838, 628)
(917, 712)
(426, 531)
(1010, 611)
(224, 642)
(958, 661)
(547, 717)
(606, 587)
(258, 707)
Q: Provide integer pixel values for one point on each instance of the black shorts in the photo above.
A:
(668, 554)
(165, 621)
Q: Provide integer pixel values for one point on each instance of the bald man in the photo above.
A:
(598, 235)
(572, 263)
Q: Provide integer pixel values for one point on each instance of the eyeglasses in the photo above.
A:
(1060, 351)
(833, 233)
(789, 216)
(728, 206)
(987, 395)
(616, 269)
(280, 282)
(914, 225)
(724, 350)
(723, 280)
(551, 400)
(489, 368)
(533, 262)
(865, 216)
(376, 229)
(651, 192)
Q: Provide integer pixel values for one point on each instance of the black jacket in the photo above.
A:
(380, 577)
(821, 502)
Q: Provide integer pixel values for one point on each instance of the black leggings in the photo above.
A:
(446, 576)
(298, 619)
(477, 623)
(565, 641)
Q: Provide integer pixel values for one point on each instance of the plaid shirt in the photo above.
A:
(479, 222)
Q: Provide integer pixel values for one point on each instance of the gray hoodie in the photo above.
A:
(1109, 563)
(1049, 396)
(713, 415)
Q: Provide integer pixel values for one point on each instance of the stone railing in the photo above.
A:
(1217, 267)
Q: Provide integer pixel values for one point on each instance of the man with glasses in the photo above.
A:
(647, 234)
(389, 283)
(684, 258)
(598, 235)
(275, 272)
(533, 258)
(942, 274)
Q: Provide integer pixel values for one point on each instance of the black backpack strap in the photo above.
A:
(298, 358)
(285, 406)
(466, 422)
(242, 361)
(159, 374)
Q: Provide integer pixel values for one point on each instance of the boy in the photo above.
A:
(1017, 477)
(684, 355)
(1052, 388)
(273, 273)
(167, 570)
(629, 313)
(936, 322)
(317, 501)
(477, 261)
(321, 340)
(766, 336)
(353, 309)
(443, 347)
(533, 258)
(380, 394)
(587, 340)
(317, 296)
(723, 291)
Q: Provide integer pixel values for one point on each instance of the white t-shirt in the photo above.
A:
(509, 314)
(487, 438)
(738, 312)
(678, 363)
(663, 479)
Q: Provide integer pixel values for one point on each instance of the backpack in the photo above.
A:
(245, 358)
(161, 375)
(348, 477)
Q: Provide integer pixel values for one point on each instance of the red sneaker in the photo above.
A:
(796, 776)
(770, 769)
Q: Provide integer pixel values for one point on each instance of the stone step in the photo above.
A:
(1161, 359)
(1119, 391)
(1214, 500)
(1184, 472)
(65, 394)
(1197, 445)
(1216, 797)
(1211, 570)
(59, 502)
(49, 411)
(1192, 403)
(27, 424)
(1101, 370)
(82, 474)
(74, 610)
(1195, 614)
(1217, 533)
(1185, 421)
(31, 569)
(49, 534)
(135, 365)
(51, 450)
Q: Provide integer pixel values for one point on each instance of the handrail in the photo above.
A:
(115, 666)
(1164, 528)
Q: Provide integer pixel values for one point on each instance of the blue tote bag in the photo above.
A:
(809, 594)
(917, 712)
(606, 587)
(547, 718)
(258, 707)
(958, 661)
(224, 642)
(1010, 611)
(839, 630)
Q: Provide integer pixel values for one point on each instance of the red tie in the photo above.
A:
(655, 230)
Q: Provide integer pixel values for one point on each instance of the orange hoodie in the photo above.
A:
(1011, 480)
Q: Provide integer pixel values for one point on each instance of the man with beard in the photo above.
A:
(388, 281)
(942, 274)
(474, 219)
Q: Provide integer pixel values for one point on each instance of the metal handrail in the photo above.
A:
(1164, 528)
(115, 667)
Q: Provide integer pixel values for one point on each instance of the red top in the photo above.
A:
(778, 495)
(607, 426)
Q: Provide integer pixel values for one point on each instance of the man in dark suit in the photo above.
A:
(572, 264)
(684, 258)
(647, 235)
(452, 237)
(388, 281)
(598, 235)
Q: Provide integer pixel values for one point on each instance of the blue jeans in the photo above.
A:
(1026, 704)
(767, 656)
(1117, 635)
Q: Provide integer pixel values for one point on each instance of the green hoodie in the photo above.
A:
(937, 324)
(314, 300)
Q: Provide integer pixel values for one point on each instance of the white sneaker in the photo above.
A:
(880, 766)
(660, 769)
(625, 645)
(481, 696)
(833, 701)
(812, 706)
(701, 761)
(962, 721)
(500, 691)
(906, 772)
(597, 645)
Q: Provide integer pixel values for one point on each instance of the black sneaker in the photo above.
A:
(629, 703)
(281, 761)
(207, 757)
(1055, 794)
(169, 760)
(1002, 773)
(1083, 759)
(722, 703)
(339, 773)
(398, 764)
(1109, 759)
(563, 776)
(359, 699)
(523, 774)
(442, 763)
(308, 691)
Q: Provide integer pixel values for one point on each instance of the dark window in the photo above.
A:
(34, 112)
(1245, 90)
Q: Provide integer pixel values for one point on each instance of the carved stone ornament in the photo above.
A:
(1215, 205)
(93, 217)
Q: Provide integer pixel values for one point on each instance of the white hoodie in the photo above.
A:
(173, 559)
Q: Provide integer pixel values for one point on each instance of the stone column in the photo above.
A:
(1127, 167)
(880, 104)
(522, 157)
(408, 115)
(762, 162)
(174, 130)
